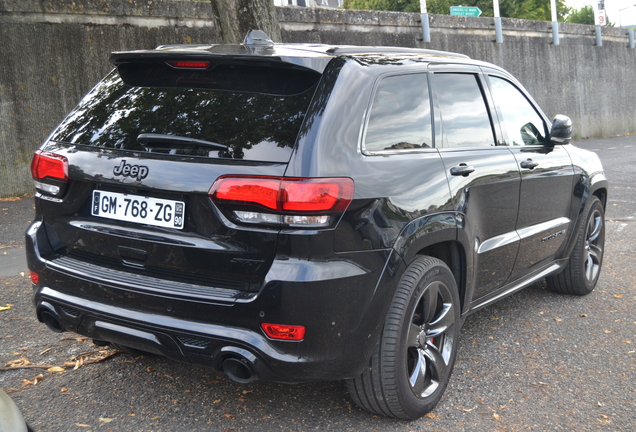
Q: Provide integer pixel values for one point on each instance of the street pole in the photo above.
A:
(498, 30)
(599, 37)
(426, 33)
(555, 23)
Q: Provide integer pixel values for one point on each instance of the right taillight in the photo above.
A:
(50, 172)
(298, 202)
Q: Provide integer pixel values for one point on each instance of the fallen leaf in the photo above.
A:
(21, 362)
(430, 415)
(496, 416)
(35, 380)
(558, 319)
(247, 391)
(626, 342)
(228, 415)
(55, 369)
(495, 319)
(63, 389)
(82, 425)
(105, 420)
(150, 369)
(217, 401)
(618, 296)
(468, 410)
(4, 308)
(607, 331)
(604, 416)
(583, 315)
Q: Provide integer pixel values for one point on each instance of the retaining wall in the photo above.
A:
(52, 52)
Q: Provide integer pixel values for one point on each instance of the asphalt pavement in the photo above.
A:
(534, 361)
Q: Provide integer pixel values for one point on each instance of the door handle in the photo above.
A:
(529, 164)
(462, 170)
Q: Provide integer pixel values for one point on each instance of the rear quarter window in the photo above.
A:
(400, 115)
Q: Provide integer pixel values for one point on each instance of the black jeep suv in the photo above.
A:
(307, 212)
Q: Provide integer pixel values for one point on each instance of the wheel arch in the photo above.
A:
(436, 236)
(597, 186)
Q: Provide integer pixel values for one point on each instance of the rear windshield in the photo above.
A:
(253, 126)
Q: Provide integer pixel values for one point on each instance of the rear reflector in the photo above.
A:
(284, 332)
(189, 64)
(49, 166)
(288, 195)
(35, 278)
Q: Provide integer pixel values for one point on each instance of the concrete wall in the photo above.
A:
(53, 51)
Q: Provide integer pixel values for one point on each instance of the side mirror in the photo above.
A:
(561, 132)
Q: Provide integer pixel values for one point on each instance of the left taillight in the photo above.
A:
(296, 202)
(50, 172)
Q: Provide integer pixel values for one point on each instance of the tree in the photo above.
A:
(527, 9)
(585, 15)
(234, 18)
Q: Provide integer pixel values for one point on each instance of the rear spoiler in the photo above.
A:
(202, 69)
(281, 56)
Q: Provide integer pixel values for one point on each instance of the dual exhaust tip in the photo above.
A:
(236, 367)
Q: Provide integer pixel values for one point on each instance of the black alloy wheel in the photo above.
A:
(582, 271)
(412, 364)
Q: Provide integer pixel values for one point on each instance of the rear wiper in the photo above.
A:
(162, 141)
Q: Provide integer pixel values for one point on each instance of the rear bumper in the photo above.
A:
(341, 301)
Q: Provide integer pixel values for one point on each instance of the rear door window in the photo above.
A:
(400, 115)
(462, 108)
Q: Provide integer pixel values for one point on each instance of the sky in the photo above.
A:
(625, 17)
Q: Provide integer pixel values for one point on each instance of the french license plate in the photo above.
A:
(140, 209)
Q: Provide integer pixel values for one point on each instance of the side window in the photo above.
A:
(522, 123)
(465, 119)
(400, 116)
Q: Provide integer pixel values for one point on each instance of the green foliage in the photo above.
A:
(585, 15)
(387, 5)
(527, 9)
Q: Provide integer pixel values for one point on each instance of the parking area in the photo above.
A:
(534, 361)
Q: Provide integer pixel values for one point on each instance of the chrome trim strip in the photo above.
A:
(498, 241)
(544, 226)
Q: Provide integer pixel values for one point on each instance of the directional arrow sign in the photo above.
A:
(465, 11)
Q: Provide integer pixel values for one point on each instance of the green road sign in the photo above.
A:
(465, 11)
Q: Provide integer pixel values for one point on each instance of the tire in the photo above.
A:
(412, 364)
(581, 273)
